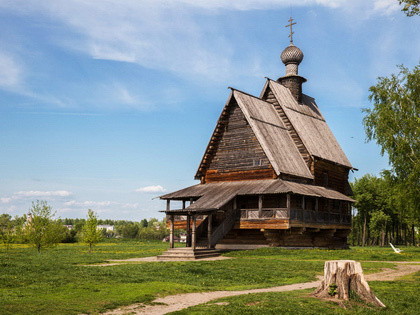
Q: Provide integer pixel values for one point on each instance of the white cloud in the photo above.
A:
(155, 34)
(151, 189)
(386, 7)
(37, 193)
(5, 200)
(10, 71)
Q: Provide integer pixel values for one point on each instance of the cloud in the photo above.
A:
(5, 200)
(386, 7)
(155, 34)
(151, 189)
(37, 193)
(10, 71)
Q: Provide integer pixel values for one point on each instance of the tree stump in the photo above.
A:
(343, 277)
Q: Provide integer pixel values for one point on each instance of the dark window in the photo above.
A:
(325, 179)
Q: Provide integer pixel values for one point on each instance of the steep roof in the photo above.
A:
(271, 133)
(216, 195)
(309, 124)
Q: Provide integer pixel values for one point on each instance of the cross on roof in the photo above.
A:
(291, 32)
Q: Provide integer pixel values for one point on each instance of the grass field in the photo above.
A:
(60, 280)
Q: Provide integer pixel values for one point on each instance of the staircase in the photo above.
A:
(187, 253)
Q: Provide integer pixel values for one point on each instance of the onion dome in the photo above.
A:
(292, 56)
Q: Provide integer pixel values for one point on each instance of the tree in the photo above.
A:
(40, 229)
(143, 223)
(91, 233)
(394, 123)
(378, 223)
(7, 230)
(367, 193)
(411, 7)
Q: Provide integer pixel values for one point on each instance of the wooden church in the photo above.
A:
(273, 174)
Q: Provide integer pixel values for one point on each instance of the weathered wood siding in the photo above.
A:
(270, 98)
(238, 154)
(337, 175)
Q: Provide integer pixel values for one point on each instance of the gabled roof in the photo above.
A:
(216, 195)
(271, 133)
(309, 124)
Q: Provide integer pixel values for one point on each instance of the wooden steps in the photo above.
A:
(188, 253)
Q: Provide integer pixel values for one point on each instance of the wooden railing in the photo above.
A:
(279, 213)
(295, 215)
(319, 217)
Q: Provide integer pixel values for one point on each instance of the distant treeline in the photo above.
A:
(153, 229)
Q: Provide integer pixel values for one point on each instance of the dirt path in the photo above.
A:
(178, 302)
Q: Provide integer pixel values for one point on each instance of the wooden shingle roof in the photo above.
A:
(216, 195)
(310, 125)
(272, 135)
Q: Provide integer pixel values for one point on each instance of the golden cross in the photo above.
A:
(291, 32)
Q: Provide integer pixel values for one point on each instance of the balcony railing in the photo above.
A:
(280, 213)
(295, 215)
(319, 217)
(300, 215)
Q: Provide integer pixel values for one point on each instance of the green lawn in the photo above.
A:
(58, 281)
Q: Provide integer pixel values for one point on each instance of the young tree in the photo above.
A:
(91, 233)
(40, 229)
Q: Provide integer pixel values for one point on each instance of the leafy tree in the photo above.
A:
(143, 223)
(91, 233)
(394, 123)
(370, 197)
(378, 223)
(130, 230)
(7, 230)
(40, 229)
(411, 7)
(5, 220)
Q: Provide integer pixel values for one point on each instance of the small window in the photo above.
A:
(257, 163)
(325, 179)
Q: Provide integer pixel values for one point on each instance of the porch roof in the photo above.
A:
(213, 196)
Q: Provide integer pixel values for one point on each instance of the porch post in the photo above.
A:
(194, 236)
(329, 210)
(171, 235)
(260, 201)
(188, 231)
(288, 205)
(209, 230)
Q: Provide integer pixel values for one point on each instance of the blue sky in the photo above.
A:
(105, 104)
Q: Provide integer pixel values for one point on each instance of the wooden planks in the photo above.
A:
(262, 224)
(212, 176)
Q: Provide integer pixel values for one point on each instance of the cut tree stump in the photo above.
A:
(341, 277)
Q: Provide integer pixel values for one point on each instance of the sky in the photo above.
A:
(107, 104)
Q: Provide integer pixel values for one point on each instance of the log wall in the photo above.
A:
(337, 176)
(238, 154)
